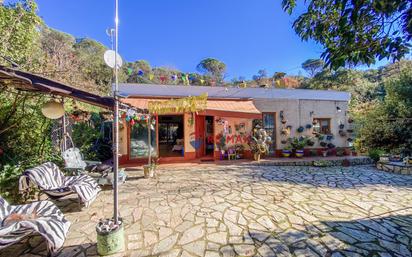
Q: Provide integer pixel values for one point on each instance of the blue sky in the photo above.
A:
(246, 35)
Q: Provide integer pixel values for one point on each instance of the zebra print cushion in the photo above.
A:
(52, 181)
(49, 223)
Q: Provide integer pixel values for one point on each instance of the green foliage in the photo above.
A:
(88, 138)
(356, 32)
(375, 154)
(212, 67)
(18, 30)
(313, 66)
(387, 123)
(298, 143)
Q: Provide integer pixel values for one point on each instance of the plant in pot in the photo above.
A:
(221, 144)
(259, 144)
(298, 144)
(287, 151)
(150, 169)
(300, 129)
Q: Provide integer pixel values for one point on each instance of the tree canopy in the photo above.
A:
(356, 31)
(313, 66)
(212, 67)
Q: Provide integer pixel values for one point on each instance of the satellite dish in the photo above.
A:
(109, 58)
(53, 110)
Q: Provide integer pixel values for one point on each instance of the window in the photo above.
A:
(269, 126)
(139, 147)
(321, 125)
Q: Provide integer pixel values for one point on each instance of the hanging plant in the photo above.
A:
(350, 140)
(284, 132)
(323, 144)
(331, 146)
(289, 127)
(300, 129)
(321, 137)
(309, 126)
(349, 130)
(310, 142)
(284, 121)
(342, 133)
(341, 126)
(284, 142)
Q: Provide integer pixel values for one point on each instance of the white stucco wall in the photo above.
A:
(298, 113)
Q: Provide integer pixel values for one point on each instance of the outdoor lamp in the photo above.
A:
(338, 109)
(53, 110)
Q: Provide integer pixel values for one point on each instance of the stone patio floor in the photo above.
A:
(244, 210)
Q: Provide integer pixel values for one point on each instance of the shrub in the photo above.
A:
(375, 154)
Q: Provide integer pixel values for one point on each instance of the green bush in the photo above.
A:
(375, 154)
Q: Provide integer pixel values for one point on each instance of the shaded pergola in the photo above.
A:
(25, 81)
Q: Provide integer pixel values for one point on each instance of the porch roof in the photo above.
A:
(228, 107)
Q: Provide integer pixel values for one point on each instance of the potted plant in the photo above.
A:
(150, 169)
(309, 126)
(110, 237)
(325, 152)
(341, 126)
(287, 151)
(299, 143)
(259, 144)
(300, 129)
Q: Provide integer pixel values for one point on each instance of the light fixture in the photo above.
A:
(311, 113)
(53, 110)
(338, 109)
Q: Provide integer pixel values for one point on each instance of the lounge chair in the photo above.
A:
(51, 181)
(42, 218)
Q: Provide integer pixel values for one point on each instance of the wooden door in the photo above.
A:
(200, 136)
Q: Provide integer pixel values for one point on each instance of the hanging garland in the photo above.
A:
(188, 104)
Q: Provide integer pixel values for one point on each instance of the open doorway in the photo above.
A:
(171, 136)
(204, 136)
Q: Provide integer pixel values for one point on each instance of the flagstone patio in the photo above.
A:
(244, 210)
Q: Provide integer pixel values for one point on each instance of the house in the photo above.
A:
(229, 119)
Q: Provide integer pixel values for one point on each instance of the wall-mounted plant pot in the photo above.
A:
(331, 146)
(299, 153)
(314, 122)
(310, 143)
(284, 121)
(284, 142)
(342, 133)
(329, 137)
(289, 127)
(286, 153)
(284, 132)
(349, 130)
(321, 137)
(309, 126)
(323, 144)
(341, 126)
(350, 140)
(300, 129)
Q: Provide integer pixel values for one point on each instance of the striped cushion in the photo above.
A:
(49, 223)
(52, 181)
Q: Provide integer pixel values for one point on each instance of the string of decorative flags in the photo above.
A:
(185, 78)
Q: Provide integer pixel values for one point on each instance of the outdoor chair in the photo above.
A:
(39, 218)
(73, 160)
(51, 181)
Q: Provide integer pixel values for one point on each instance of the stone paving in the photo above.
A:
(243, 210)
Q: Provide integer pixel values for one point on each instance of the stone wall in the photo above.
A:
(398, 168)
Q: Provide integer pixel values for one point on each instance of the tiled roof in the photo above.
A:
(154, 90)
